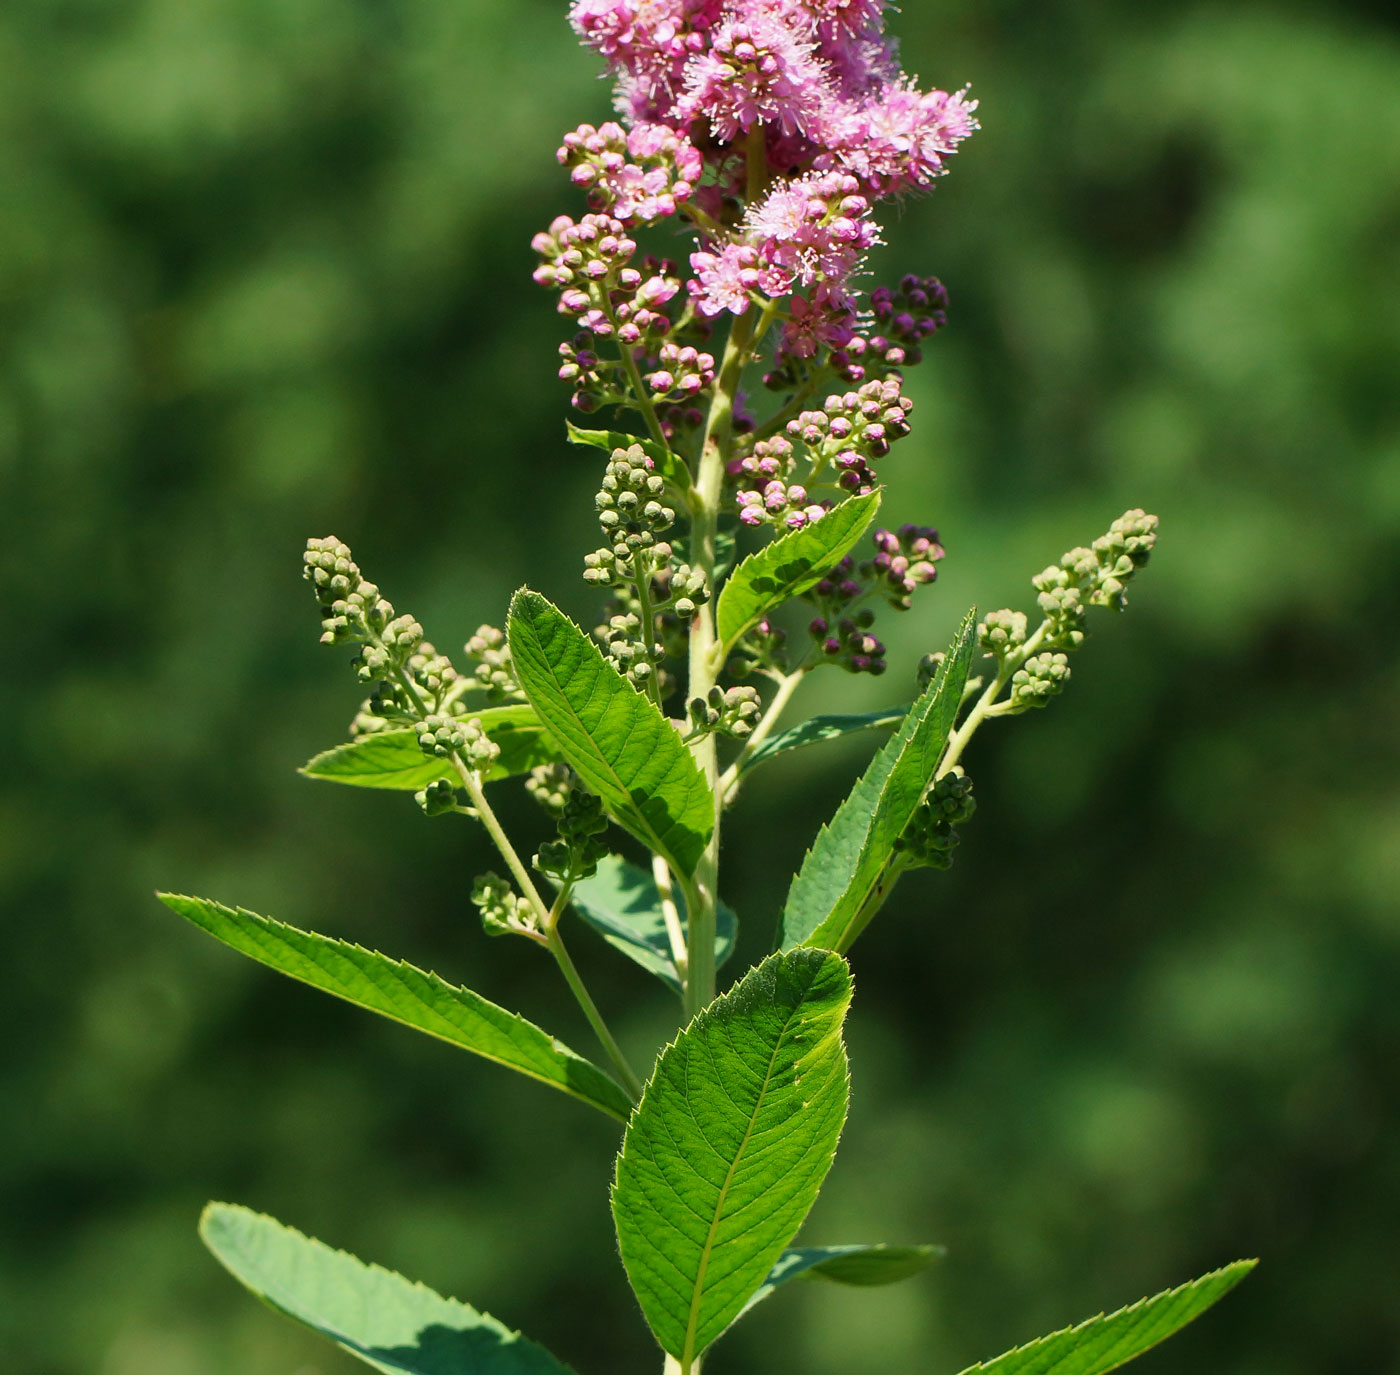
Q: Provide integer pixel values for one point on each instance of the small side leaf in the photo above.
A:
(818, 728)
(790, 565)
(409, 995)
(613, 736)
(844, 877)
(621, 902)
(392, 758)
(389, 1322)
(668, 464)
(866, 1266)
(1104, 1343)
(728, 1148)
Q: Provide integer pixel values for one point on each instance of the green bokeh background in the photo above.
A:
(264, 273)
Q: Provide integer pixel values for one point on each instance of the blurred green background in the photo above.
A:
(264, 273)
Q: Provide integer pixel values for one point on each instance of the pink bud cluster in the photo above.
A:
(644, 174)
(903, 561)
(767, 490)
(683, 372)
(855, 428)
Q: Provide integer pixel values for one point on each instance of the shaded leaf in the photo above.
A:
(790, 565)
(613, 736)
(392, 758)
(622, 903)
(855, 1265)
(408, 995)
(818, 728)
(846, 874)
(389, 1322)
(728, 1148)
(1104, 1343)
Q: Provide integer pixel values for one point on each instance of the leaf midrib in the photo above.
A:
(688, 1350)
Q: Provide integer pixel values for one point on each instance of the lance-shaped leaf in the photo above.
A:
(389, 1322)
(1104, 1343)
(791, 565)
(847, 872)
(865, 1266)
(818, 728)
(725, 1153)
(613, 736)
(668, 465)
(408, 995)
(622, 903)
(393, 759)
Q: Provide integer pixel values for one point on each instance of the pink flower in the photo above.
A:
(898, 140)
(817, 226)
(724, 280)
(757, 70)
(825, 321)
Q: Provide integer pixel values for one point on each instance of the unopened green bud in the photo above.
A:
(931, 835)
(1001, 632)
(550, 785)
(503, 911)
(438, 798)
(928, 669)
(1040, 678)
(441, 736)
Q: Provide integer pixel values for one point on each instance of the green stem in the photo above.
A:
(555, 943)
(648, 617)
(675, 933)
(987, 703)
(644, 402)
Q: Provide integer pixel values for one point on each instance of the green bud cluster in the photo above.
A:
(575, 854)
(441, 736)
(1096, 576)
(503, 911)
(931, 836)
(734, 712)
(632, 512)
(1040, 678)
(439, 798)
(353, 612)
(622, 640)
(551, 785)
(494, 673)
(1002, 632)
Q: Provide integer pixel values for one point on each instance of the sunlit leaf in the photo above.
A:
(392, 758)
(1104, 1343)
(668, 465)
(613, 736)
(408, 995)
(728, 1148)
(790, 565)
(818, 728)
(389, 1322)
(865, 1266)
(847, 874)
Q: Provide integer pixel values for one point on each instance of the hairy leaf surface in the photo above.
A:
(725, 1153)
(622, 903)
(392, 758)
(865, 1266)
(408, 995)
(790, 565)
(844, 877)
(389, 1322)
(1104, 1343)
(818, 728)
(613, 736)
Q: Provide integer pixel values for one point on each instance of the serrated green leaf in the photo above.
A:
(621, 902)
(818, 728)
(409, 995)
(613, 736)
(669, 465)
(389, 1322)
(728, 1148)
(392, 758)
(854, 1265)
(791, 565)
(1104, 1343)
(845, 875)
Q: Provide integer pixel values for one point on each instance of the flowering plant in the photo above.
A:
(769, 130)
